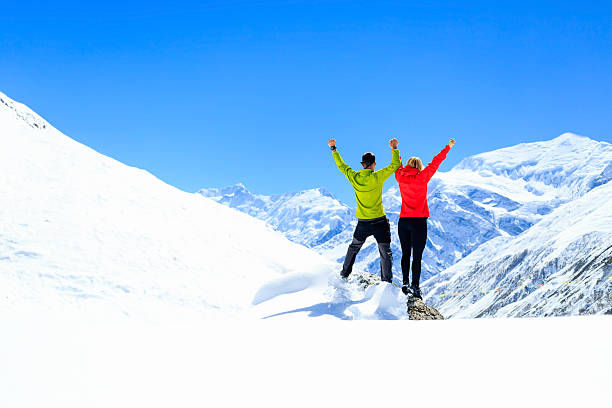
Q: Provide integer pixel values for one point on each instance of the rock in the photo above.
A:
(364, 279)
(418, 310)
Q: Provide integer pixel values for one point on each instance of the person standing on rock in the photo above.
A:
(372, 220)
(412, 225)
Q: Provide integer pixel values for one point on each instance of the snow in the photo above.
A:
(571, 162)
(76, 361)
(520, 276)
(81, 228)
(328, 296)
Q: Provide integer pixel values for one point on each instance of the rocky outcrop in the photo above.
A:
(418, 310)
(364, 279)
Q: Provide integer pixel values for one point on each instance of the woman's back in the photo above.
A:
(413, 186)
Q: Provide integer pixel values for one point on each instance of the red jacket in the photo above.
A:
(413, 186)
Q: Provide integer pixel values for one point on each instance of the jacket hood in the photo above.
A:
(410, 171)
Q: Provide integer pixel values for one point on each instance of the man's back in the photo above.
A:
(368, 185)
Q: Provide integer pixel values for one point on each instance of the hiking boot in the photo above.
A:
(406, 290)
(416, 292)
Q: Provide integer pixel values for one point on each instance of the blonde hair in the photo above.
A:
(415, 162)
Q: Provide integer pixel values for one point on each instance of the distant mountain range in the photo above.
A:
(496, 198)
(310, 217)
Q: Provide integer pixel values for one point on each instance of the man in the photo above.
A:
(368, 185)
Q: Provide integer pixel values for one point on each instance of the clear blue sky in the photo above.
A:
(206, 94)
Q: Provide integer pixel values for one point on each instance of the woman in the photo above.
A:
(412, 225)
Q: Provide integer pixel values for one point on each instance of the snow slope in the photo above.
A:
(79, 227)
(74, 361)
(560, 266)
(81, 230)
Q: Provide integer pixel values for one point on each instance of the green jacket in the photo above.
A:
(368, 185)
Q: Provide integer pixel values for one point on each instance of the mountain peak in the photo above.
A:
(569, 136)
(238, 187)
(227, 190)
(325, 192)
(563, 155)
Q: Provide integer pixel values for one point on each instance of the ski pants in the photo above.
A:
(379, 227)
(413, 237)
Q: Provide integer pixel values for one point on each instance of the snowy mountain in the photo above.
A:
(495, 194)
(560, 266)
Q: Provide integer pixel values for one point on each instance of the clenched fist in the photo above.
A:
(331, 142)
(393, 143)
(451, 142)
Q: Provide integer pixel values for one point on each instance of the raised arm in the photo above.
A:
(398, 171)
(396, 162)
(432, 167)
(342, 166)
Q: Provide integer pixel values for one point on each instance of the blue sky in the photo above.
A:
(205, 94)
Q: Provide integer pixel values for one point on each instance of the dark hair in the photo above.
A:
(368, 159)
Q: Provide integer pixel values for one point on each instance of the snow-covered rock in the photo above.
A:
(418, 310)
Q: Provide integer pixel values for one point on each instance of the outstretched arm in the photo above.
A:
(342, 166)
(396, 162)
(432, 167)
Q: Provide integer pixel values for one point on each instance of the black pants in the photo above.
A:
(413, 237)
(379, 227)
